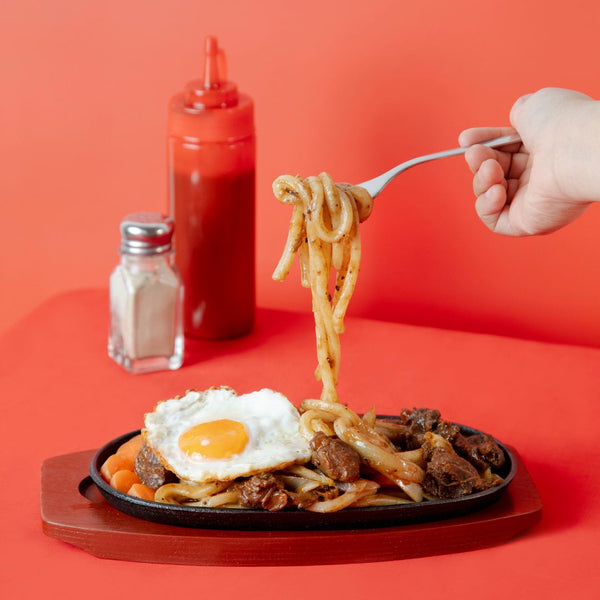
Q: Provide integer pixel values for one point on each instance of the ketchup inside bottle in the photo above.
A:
(212, 194)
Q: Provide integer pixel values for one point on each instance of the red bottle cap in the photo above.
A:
(211, 109)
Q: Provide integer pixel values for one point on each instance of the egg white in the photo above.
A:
(271, 420)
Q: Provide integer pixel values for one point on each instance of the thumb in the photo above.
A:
(517, 112)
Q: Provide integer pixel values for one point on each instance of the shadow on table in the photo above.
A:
(272, 327)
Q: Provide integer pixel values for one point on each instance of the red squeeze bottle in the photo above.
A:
(211, 156)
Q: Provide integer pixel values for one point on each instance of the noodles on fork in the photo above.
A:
(324, 233)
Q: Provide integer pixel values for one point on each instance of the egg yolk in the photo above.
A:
(216, 439)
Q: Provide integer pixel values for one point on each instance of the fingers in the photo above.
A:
(498, 215)
(490, 206)
(477, 155)
(490, 173)
(494, 195)
(490, 187)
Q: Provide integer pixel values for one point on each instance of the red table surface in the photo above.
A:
(61, 394)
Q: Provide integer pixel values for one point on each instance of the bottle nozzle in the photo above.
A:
(213, 90)
(211, 63)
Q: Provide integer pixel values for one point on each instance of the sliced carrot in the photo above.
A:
(114, 463)
(122, 480)
(139, 490)
(131, 447)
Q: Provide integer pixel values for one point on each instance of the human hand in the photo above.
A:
(549, 179)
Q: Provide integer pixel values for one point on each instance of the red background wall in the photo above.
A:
(351, 91)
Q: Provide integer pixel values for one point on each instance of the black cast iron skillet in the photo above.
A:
(294, 519)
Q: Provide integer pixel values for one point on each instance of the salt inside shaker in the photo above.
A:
(146, 296)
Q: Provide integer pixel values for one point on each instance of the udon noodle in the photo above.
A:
(324, 233)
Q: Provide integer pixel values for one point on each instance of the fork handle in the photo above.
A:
(494, 143)
(500, 141)
(376, 185)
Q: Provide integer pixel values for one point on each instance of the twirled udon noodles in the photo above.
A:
(324, 233)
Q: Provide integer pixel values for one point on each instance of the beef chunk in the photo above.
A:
(428, 449)
(424, 419)
(417, 421)
(447, 430)
(262, 491)
(451, 476)
(335, 458)
(481, 450)
(305, 499)
(150, 470)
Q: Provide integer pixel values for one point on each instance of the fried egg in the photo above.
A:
(218, 435)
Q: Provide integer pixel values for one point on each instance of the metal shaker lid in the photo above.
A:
(146, 233)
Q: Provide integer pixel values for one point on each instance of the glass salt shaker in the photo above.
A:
(146, 294)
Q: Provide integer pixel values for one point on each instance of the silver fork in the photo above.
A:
(375, 186)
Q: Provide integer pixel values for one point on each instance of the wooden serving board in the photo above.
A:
(74, 511)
